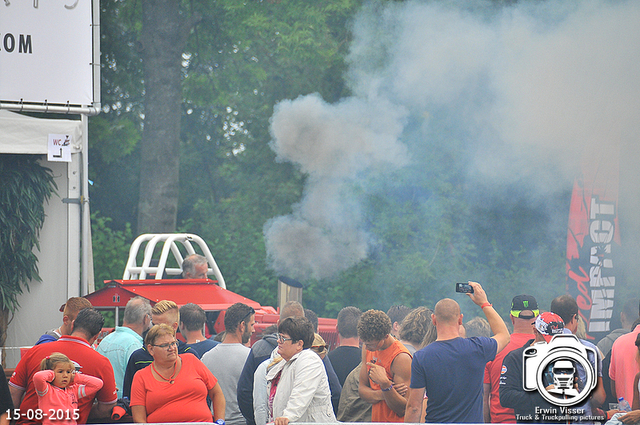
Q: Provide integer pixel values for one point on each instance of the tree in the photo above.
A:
(227, 69)
(163, 37)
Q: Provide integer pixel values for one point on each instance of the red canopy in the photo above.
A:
(204, 292)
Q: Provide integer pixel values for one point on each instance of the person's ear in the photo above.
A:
(93, 339)
(574, 319)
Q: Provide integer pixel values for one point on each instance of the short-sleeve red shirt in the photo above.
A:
(183, 401)
(79, 351)
(492, 373)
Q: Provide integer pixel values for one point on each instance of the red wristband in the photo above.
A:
(487, 304)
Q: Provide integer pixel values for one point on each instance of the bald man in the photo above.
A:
(451, 369)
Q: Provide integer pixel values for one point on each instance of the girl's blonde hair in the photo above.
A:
(49, 362)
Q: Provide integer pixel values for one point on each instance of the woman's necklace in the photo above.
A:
(171, 378)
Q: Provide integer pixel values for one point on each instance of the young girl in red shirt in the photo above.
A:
(59, 387)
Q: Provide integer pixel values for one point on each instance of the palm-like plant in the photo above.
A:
(25, 185)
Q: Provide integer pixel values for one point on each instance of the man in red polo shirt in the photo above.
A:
(77, 347)
(524, 310)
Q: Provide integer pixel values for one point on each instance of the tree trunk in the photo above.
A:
(163, 40)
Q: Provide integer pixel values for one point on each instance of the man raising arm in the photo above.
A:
(451, 369)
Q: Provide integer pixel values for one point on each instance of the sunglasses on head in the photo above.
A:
(252, 311)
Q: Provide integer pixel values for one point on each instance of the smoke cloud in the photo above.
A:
(336, 145)
(531, 89)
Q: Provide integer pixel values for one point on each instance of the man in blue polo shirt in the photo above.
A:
(121, 343)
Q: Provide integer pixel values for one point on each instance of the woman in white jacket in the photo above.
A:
(298, 387)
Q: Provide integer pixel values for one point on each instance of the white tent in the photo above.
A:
(24, 134)
(63, 261)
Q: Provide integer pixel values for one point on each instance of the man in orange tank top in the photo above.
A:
(386, 374)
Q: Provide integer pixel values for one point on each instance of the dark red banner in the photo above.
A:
(592, 241)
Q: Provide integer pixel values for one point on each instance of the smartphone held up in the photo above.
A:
(464, 288)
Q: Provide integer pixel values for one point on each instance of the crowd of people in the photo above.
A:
(403, 365)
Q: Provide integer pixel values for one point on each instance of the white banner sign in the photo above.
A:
(46, 50)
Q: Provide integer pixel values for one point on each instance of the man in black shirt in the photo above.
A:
(348, 355)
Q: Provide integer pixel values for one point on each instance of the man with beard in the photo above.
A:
(227, 359)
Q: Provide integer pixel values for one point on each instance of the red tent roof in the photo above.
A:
(204, 292)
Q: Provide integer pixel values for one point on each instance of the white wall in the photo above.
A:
(39, 306)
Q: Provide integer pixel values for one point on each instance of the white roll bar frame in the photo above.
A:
(132, 271)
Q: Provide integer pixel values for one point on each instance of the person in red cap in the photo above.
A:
(512, 392)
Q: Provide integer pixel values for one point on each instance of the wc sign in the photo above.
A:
(59, 149)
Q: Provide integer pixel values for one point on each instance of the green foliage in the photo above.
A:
(26, 185)
(110, 248)
(433, 227)
(114, 135)
(121, 72)
(113, 139)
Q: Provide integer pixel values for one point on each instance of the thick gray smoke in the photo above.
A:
(335, 145)
(538, 87)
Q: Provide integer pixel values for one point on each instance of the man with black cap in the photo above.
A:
(524, 310)
(512, 392)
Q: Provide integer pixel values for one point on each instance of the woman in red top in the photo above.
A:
(174, 387)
